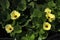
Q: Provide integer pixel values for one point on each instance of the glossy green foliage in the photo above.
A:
(29, 26)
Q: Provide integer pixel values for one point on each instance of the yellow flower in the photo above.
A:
(50, 17)
(15, 14)
(9, 28)
(50, 20)
(47, 10)
(46, 26)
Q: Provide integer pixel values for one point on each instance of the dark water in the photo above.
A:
(53, 36)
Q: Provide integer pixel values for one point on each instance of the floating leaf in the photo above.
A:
(39, 38)
(22, 5)
(36, 13)
(59, 15)
(32, 4)
(51, 4)
(5, 4)
(32, 37)
(41, 31)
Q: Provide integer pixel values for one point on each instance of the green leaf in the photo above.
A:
(22, 5)
(51, 4)
(43, 36)
(27, 22)
(24, 38)
(58, 15)
(5, 4)
(37, 22)
(18, 31)
(59, 30)
(8, 17)
(13, 23)
(32, 4)
(58, 2)
(17, 28)
(28, 0)
(41, 31)
(28, 37)
(36, 13)
(39, 38)
(32, 37)
(14, 32)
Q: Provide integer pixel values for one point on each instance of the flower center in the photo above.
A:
(48, 17)
(46, 26)
(10, 29)
(15, 16)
